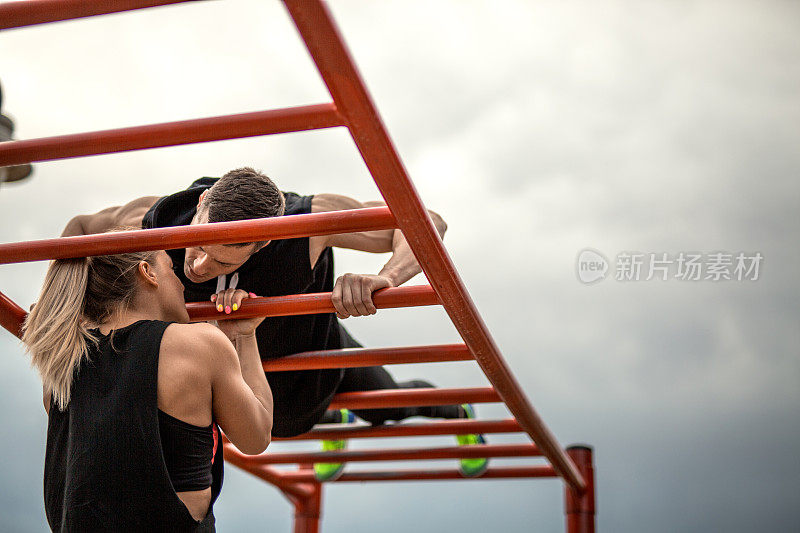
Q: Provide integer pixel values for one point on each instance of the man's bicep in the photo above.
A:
(324, 202)
(378, 241)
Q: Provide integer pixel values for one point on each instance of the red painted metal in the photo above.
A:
(170, 134)
(308, 510)
(438, 427)
(429, 475)
(287, 227)
(354, 108)
(313, 303)
(359, 357)
(30, 12)
(413, 397)
(397, 454)
(353, 101)
(580, 506)
(265, 472)
(268, 474)
(11, 315)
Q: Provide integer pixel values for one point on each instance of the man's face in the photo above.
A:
(209, 261)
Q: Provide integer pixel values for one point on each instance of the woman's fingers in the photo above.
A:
(230, 300)
(238, 296)
(217, 299)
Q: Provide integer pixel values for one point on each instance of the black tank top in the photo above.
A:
(280, 268)
(104, 465)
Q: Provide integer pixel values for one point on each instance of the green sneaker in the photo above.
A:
(331, 471)
(471, 467)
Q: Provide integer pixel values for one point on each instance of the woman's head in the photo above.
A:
(84, 292)
(141, 281)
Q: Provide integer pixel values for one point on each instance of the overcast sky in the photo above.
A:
(536, 129)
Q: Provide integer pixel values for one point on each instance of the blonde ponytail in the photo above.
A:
(54, 332)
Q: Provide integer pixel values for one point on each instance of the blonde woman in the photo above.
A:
(135, 395)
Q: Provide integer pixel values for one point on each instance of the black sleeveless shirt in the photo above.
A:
(104, 465)
(280, 268)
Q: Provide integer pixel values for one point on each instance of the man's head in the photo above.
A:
(241, 194)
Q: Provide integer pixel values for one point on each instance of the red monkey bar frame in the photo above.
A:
(353, 108)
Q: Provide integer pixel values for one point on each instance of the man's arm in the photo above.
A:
(352, 293)
(129, 214)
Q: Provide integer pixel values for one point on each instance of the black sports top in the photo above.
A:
(104, 466)
(282, 267)
(188, 452)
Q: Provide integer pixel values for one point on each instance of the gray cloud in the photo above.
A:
(536, 129)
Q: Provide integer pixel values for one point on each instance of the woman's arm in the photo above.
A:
(46, 400)
(253, 372)
(242, 333)
(241, 397)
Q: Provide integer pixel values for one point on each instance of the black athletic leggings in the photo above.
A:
(377, 378)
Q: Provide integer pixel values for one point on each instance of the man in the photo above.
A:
(288, 266)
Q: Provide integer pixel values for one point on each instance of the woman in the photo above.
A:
(134, 403)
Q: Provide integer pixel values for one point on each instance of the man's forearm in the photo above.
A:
(352, 293)
(403, 265)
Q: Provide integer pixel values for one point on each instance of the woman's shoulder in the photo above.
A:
(193, 350)
(199, 348)
(197, 337)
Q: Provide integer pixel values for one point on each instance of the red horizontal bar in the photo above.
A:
(313, 303)
(276, 477)
(358, 357)
(286, 227)
(418, 475)
(30, 12)
(438, 427)
(170, 134)
(413, 398)
(11, 315)
(397, 454)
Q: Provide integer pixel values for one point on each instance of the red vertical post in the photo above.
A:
(580, 506)
(11, 315)
(308, 510)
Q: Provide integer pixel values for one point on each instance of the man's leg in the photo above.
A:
(377, 378)
(366, 379)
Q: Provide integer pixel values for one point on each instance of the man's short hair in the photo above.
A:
(243, 194)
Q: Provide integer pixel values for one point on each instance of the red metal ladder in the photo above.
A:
(352, 107)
